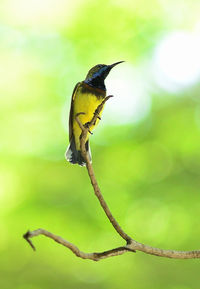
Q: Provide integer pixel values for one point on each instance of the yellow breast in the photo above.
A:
(87, 103)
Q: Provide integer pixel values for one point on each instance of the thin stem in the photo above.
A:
(132, 245)
(96, 256)
(90, 170)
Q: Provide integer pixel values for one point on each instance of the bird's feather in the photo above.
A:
(71, 111)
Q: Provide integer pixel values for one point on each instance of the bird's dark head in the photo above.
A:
(98, 74)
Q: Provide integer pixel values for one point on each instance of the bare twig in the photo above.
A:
(113, 252)
(92, 256)
(163, 253)
(131, 245)
(91, 171)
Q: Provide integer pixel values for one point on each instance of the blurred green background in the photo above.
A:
(146, 150)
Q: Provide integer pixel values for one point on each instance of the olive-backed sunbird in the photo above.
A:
(86, 97)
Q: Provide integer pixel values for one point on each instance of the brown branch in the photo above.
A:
(96, 256)
(91, 171)
(132, 245)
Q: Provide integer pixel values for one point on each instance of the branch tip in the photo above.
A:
(27, 237)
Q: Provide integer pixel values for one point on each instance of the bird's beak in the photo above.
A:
(112, 65)
(107, 68)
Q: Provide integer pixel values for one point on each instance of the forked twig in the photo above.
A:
(131, 245)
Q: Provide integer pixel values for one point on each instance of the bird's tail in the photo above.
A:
(74, 156)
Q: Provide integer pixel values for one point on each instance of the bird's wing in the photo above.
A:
(71, 110)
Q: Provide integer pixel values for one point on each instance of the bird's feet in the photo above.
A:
(96, 113)
(87, 125)
(79, 113)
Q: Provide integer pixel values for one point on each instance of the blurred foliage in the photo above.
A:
(148, 170)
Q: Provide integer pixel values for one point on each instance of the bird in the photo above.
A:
(86, 97)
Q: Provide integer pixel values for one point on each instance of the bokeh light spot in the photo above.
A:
(176, 60)
(131, 102)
